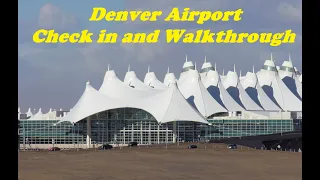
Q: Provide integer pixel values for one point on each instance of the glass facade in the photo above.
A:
(48, 132)
(121, 126)
(247, 127)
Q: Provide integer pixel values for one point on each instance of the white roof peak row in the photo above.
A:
(193, 100)
(39, 115)
(39, 111)
(203, 94)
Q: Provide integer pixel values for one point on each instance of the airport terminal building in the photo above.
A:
(199, 105)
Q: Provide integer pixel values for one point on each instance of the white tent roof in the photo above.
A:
(152, 81)
(297, 71)
(167, 105)
(29, 113)
(37, 116)
(50, 115)
(211, 80)
(194, 91)
(91, 102)
(251, 85)
(232, 84)
(169, 78)
(275, 88)
(188, 65)
(206, 67)
(300, 78)
(288, 75)
(132, 80)
(115, 88)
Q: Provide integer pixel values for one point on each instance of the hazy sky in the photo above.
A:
(55, 75)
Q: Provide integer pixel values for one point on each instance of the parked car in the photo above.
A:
(232, 146)
(105, 146)
(54, 149)
(133, 144)
(192, 146)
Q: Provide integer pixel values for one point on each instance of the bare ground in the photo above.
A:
(208, 162)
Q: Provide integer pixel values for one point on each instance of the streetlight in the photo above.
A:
(73, 132)
(166, 135)
(24, 137)
(78, 135)
(103, 133)
(210, 124)
(98, 132)
(54, 132)
(178, 134)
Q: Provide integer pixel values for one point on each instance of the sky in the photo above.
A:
(54, 75)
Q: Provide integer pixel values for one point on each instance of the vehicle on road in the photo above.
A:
(232, 146)
(192, 146)
(133, 144)
(54, 149)
(105, 146)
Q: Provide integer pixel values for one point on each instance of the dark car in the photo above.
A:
(232, 146)
(54, 149)
(105, 146)
(133, 144)
(192, 146)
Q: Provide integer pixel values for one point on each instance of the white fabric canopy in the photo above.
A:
(165, 105)
(194, 91)
(276, 90)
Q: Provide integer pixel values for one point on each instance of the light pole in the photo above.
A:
(98, 132)
(54, 133)
(166, 135)
(73, 132)
(24, 137)
(103, 133)
(281, 121)
(210, 124)
(178, 134)
(78, 135)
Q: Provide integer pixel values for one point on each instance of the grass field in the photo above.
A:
(208, 162)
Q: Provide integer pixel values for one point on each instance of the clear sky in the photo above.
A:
(54, 76)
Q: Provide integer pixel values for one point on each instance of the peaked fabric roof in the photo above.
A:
(169, 78)
(288, 75)
(152, 81)
(132, 80)
(232, 84)
(114, 87)
(37, 116)
(29, 113)
(188, 65)
(211, 80)
(167, 104)
(275, 88)
(300, 78)
(50, 114)
(251, 85)
(196, 94)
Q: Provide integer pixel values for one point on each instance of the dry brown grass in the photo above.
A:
(155, 163)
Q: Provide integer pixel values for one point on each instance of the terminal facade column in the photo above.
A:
(174, 131)
(88, 132)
